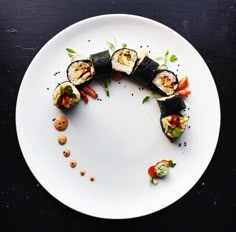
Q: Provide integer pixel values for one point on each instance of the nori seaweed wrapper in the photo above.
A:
(145, 71)
(171, 105)
(102, 65)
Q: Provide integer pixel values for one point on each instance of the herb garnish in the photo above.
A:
(106, 83)
(172, 58)
(124, 45)
(147, 98)
(112, 46)
(71, 53)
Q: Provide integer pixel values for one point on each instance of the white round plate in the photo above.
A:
(116, 138)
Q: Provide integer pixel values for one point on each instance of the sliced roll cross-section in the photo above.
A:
(124, 60)
(165, 82)
(80, 71)
(173, 125)
(66, 95)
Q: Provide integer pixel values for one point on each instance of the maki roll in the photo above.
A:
(173, 125)
(66, 95)
(171, 104)
(80, 71)
(145, 71)
(102, 64)
(124, 60)
(165, 82)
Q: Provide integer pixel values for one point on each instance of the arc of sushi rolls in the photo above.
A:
(66, 95)
(173, 123)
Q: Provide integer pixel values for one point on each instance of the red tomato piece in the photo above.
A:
(183, 92)
(151, 171)
(183, 83)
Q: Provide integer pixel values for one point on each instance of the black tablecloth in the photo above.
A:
(25, 26)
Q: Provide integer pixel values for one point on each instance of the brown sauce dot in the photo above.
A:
(66, 152)
(62, 139)
(92, 178)
(60, 123)
(82, 172)
(73, 163)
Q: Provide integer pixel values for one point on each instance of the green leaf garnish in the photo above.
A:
(153, 180)
(173, 58)
(145, 99)
(112, 46)
(124, 45)
(70, 50)
(166, 56)
(106, 88)
(71, 53)
(172, 164)
(165, 59)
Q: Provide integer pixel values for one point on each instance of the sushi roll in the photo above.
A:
(80, 71)
(144, 71)
(171, 104)
(124, 60)
(165, 82)
(66, 95)
(173, 125)
(102, 65)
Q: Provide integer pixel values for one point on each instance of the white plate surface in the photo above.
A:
(118, 138)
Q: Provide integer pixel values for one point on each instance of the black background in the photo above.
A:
(25, 26)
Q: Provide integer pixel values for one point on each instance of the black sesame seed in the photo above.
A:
(132, 94)
(141, 46)
(180, 144)
(53, 119)
(47, 88)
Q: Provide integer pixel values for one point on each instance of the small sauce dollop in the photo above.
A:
(66, 152)
(61, 123)
(62, 139)
(73, 163)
